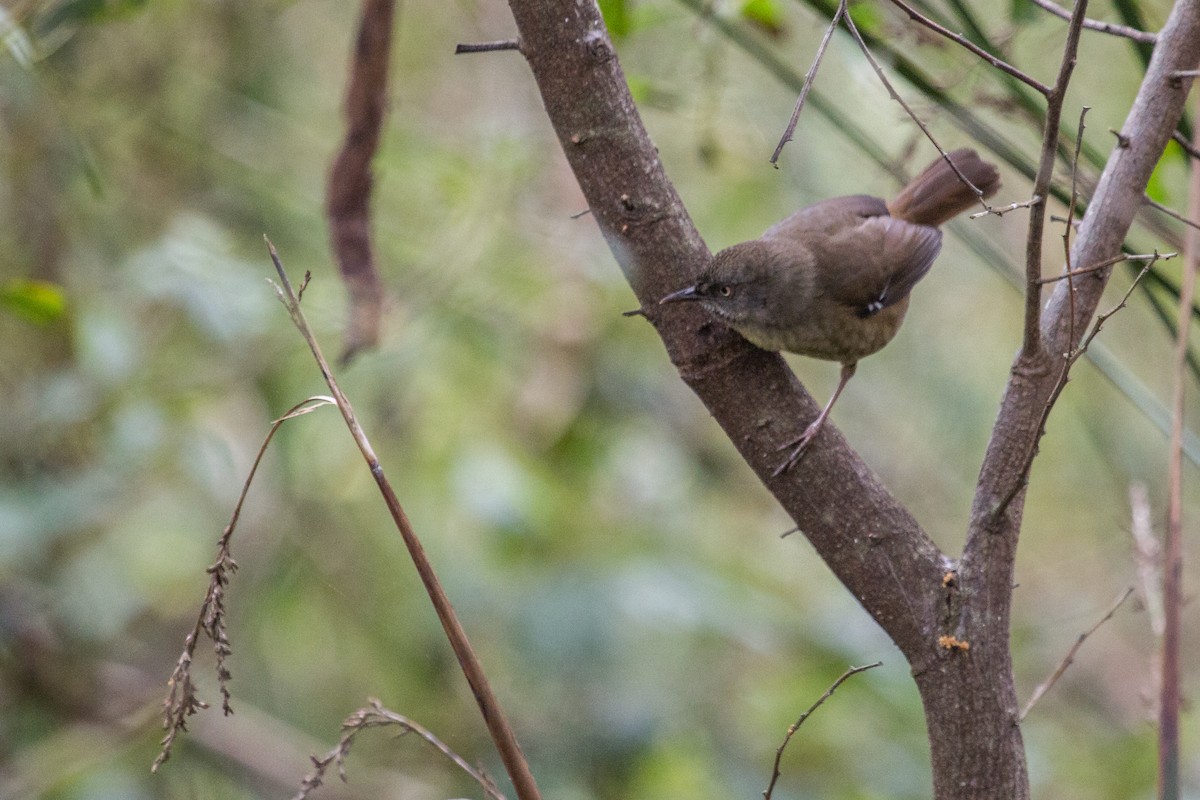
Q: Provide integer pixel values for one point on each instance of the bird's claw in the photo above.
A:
(799, 448)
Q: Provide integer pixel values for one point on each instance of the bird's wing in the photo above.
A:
(827, 216)
(876, 263)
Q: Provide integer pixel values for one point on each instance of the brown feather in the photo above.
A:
(939, 194)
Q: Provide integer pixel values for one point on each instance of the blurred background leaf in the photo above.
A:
(37, 301)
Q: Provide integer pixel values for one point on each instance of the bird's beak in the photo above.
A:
(690, 293)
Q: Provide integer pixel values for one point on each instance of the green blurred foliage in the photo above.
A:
(620, 571)
(616, 17)
(867, 18)
(1022, 11)
(37, 301)
(766, 14)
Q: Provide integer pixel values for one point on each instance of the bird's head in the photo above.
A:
(742, 284)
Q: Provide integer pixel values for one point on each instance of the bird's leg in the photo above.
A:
(800, 445)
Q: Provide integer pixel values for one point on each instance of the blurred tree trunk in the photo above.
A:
(949, 617)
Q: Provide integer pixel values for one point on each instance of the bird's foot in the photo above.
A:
(799, 447)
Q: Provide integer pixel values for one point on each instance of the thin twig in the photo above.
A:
(376, 716)
(1002, 210)
(182, 701)
(962, 41)
(1075, 178)
(1069, 658)
(487, 47)
(1103, 318)
(1170, 212)
(795, 726)
(866, 51)
(1069, 360)
(808, 82)
(493, 715)
(1068, 227)
(1108, 262)
(1145, 37)
(1187, 146)
(1032, 342)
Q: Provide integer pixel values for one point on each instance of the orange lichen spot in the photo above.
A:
(953, 643)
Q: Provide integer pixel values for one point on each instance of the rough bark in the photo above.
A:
(951, 621)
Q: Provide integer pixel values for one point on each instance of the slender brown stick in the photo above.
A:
(1069, 658)
(1145, 37)
(487, 47)
(1032, 343)
(795, 726)
(962, 41)
(1170, 697)
(493, 715)
(808, 82)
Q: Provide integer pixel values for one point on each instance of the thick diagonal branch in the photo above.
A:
(869, 540)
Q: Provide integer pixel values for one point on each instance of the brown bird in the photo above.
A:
(832, 280)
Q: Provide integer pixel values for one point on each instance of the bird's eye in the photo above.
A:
(725, 290)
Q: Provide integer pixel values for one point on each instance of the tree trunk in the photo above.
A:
(951, 620)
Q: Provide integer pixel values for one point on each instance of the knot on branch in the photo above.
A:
(598, 48)
(634, 212)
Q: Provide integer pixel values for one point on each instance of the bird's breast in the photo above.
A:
(832, 332)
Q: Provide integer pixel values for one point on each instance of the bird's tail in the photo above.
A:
(938, 193)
